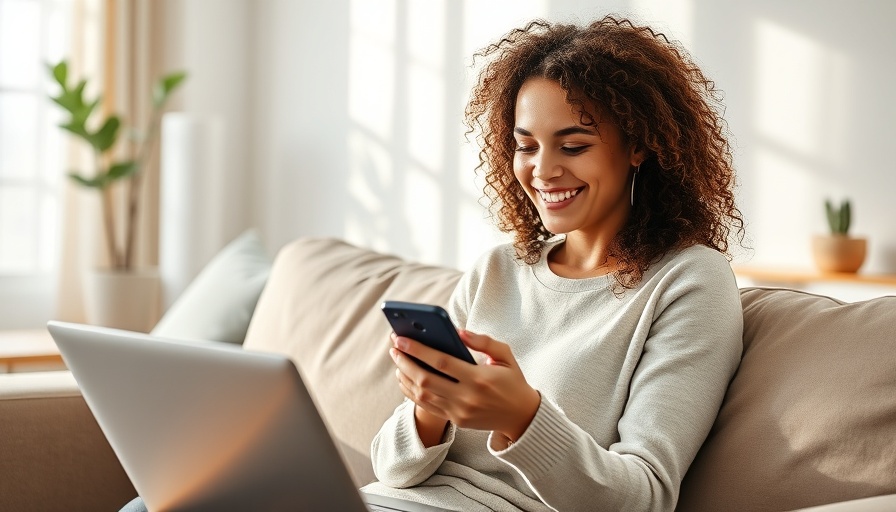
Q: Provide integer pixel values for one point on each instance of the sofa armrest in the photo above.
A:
(53, 455)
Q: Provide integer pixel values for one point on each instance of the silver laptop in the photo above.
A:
(210, 426)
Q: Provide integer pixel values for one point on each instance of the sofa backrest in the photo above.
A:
(809, 417)
(321, 307)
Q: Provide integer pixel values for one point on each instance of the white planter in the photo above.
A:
(123, 300)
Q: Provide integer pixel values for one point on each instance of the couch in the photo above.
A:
(809, 419)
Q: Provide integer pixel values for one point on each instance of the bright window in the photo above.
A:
(32, 157)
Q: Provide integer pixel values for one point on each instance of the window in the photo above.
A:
(32, 155)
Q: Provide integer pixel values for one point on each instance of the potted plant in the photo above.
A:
(838, 252)
(122, 285)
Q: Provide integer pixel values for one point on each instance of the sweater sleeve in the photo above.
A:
(398, 455)
(692, 342)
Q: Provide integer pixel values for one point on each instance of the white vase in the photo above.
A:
(194, 181)
(123, 299)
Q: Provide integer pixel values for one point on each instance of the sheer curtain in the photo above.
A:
(117, 46)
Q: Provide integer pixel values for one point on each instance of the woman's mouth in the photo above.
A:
(558, 198)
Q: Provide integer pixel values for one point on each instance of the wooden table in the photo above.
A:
(21, 349)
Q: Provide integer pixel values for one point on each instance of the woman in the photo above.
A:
(611, 326)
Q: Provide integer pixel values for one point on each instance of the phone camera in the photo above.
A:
(397, 314)
(419, 326)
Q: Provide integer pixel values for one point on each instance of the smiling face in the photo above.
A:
(577, 176)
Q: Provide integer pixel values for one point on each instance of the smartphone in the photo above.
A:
(429, 325)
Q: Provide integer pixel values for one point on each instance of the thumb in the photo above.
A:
(497, 352)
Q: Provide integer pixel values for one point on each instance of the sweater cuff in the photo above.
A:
(406, 433)
(544, 444)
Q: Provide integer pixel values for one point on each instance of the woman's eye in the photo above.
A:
(573, 150)
(525, 149)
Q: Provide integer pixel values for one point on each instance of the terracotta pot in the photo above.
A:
(838, 253)
(123, 300)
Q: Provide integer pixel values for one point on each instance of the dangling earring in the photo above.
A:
(634, 177)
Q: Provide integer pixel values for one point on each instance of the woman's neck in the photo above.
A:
(579, 258)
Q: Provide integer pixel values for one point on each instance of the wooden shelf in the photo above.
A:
(781, 275)
(27, 347)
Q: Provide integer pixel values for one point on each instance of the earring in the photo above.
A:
(634, 177)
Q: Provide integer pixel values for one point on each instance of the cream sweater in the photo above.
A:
(630, 387)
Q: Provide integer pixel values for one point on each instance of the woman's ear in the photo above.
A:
(638, 154)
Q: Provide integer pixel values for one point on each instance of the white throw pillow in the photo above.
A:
(219, 303)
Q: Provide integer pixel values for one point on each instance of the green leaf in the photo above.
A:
(83, 113)
(69, 101)
(845, 217)
(60, 72)
(839, 217)
(73, 101)
(831, 215)
(122, 170)
(78, 91)
(98, 182)
(163, 88)
(105, 137)
(77, 129)
(172, 80)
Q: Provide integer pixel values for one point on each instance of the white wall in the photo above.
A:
(214, 42)
(355, 116)
(359, 133)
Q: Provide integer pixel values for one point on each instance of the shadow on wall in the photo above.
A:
(406, 94)
(362, 134)
(806, 90)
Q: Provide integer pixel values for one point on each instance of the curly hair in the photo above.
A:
(661, 101)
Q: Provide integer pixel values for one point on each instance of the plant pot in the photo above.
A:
(838, 253)
(123, 299)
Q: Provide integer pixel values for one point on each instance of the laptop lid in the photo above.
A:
(208, 426)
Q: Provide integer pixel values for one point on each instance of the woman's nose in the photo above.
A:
(545, 168)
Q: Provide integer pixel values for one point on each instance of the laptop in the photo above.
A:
(209, 426)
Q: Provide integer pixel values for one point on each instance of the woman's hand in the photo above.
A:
(493, 395)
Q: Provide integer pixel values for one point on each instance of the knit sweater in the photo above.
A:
(630, 385)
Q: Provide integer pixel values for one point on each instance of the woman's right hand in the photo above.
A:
(490, 396)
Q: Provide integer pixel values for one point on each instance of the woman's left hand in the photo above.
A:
(493, 395)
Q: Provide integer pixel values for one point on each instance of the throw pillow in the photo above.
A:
(219, 303)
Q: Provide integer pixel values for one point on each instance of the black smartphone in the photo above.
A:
(429, 325)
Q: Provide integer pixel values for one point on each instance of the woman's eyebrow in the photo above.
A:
(572, 130)
(559, 133)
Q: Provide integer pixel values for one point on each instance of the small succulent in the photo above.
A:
(838, 216)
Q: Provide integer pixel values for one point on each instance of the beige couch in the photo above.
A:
(809, 418)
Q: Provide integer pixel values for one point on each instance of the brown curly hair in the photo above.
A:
(661, 101)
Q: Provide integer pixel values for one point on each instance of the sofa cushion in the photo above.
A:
(218, 304)
(810, 416)
(321, 307)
